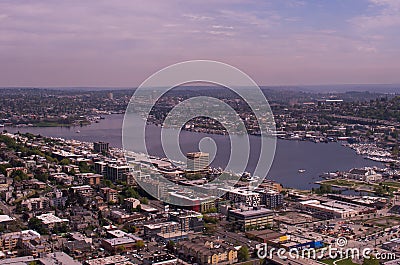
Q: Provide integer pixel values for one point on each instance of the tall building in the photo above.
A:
(252, 218)
(100, 147)
(246, 197)
(272, 199)
(197, 161)
(116, 172)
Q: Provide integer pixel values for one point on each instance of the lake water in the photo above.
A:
(290, 156)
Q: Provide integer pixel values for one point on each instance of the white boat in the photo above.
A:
(302, 170)
(78, 131)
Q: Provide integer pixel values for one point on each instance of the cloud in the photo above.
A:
(197, 17)
(121, 42)
(385, 16)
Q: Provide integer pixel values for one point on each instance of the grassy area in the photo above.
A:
(341, 182)
(51, 124)
(342, 262)
(328, 261)
(391, 184)
(385, 222)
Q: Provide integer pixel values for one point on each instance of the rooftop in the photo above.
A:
(6, 218)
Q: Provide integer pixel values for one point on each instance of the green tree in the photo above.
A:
(85, 168)
(35, 224)
(65, 162)
(210, 220)
(19, 175)
(243, 254)
(139, 244)
(144, 200)
(171, 246)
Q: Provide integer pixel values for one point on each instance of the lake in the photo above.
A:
(290, 156)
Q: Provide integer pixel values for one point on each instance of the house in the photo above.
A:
(363, 174)
(110, 195)
(49, 220)
(131, 203)
(88, 179)
(207, 252)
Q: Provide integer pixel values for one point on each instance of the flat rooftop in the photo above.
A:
(6, 218)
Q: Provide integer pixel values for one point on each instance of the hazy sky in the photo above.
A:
(120, 43)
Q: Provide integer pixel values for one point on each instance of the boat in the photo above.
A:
(78, 131)
(302, 170)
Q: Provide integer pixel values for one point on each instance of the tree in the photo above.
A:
(139, 244)
(65, 162)
(395, 151)
(144, 200)
(212, 210)
(210, 220)
(19, 175)
(121, 249)
(85, 168)
(243, 254)
(209, 229)
(171, 246)
(35, 224)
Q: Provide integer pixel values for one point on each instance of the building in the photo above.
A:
(5, 219)
(54, 258)
(85, 193)
(131, 203)
(363, 174)
(207, 252)
(333, 209)
(58, 199)
(49, 220)
(100, 167)
(35, 204)
(164, 259)
(85, 190)
(121, 217)
(188, 220)
(88, 179)
(251, 218)
(197, 161)
(117, 245)
(101, 147)
(151, 230)
(130, 178)
(28, 242)
(271, 185)
(116, 172)
(249, 198)
(272, 199)
(112, 260)
(62, 178)
(110, 195)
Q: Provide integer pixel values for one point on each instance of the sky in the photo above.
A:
(120, 43)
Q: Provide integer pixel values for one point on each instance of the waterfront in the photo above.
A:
(289, 158)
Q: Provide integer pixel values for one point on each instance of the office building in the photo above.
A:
(101, 147)
(197, 161)
(252, 218)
